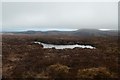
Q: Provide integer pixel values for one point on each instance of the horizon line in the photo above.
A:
(56, 30)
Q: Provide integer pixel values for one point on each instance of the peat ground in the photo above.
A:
(21, 58)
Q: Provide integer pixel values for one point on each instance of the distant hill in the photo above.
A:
(80, 32)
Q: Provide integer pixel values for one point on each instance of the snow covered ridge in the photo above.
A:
(64, 46)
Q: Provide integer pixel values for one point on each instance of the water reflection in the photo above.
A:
(64, 46)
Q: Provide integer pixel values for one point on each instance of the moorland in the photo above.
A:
(22, 58)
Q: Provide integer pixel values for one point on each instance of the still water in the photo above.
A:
(64, 46)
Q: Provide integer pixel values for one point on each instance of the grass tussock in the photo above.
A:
(100, 72)
(58, 70)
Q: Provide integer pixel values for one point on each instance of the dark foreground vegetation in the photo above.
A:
(24, 59)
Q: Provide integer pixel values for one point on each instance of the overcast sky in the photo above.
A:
(18, 16)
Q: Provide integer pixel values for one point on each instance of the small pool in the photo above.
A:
(64, 46)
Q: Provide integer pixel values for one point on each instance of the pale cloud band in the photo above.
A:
(59, 0)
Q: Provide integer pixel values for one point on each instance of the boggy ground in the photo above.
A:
(24, 59)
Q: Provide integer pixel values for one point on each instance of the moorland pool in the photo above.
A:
(64, 46)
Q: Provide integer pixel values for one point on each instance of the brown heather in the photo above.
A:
(24, 59)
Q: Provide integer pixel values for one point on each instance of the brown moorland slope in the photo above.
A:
(24, 59)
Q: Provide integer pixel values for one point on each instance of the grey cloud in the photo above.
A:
(68, 15)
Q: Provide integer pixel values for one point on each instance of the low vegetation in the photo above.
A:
(24, 59)
(93, 73)
(58, 70)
